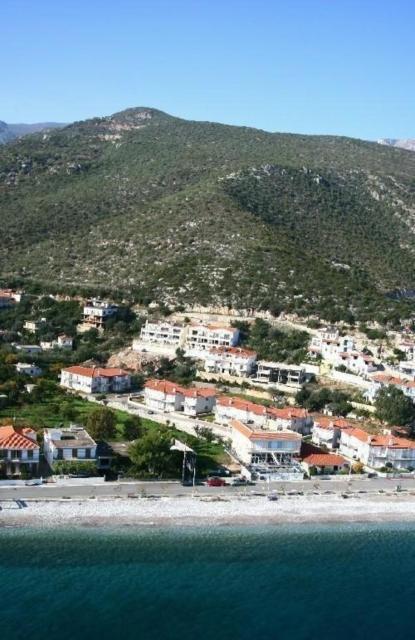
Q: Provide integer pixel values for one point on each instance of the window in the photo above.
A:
(74, 453)
(30, 455)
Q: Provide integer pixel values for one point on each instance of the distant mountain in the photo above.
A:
(181, 212)
(11, 131)
(408, 143)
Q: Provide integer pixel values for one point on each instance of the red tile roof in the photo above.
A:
(285, 413)
(392, 442)
(383, 378)
(96, 372)
(17, 438)
(324, 460)
(171, 388)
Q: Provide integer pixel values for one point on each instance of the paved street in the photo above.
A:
(133, 489)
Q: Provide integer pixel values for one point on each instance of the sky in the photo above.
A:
(343, 67)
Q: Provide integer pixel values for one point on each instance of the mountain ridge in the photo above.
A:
(188, 212)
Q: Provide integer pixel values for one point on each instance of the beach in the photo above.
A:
(207, 511)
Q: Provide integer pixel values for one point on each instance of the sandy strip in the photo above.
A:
(207, 511)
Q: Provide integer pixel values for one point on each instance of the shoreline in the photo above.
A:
(206, 512)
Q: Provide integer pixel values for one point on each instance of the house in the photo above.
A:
(382, 380)
(324, 463)
(8, 298)
(34, 325)
(19, 451)
(198, 400)
(359, 363)
(96, 313)
(255, 446)
(292, 418)
(95, 379)
(232, 408)
(163, 333)
(327, 430)
(280, 373)
(202, 337)
(31, 370)
(165, 396)
(29, 348)
(62, 342)
(377, 451)
(72, 443)
(329, 344)
(233, 361)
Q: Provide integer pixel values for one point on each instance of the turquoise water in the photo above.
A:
(232, 584)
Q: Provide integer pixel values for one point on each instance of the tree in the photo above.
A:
(101, 424)
(152, 454)
(68, 411)
(132, 428)
(393, 407)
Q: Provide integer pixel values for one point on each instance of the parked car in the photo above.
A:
(215, 482)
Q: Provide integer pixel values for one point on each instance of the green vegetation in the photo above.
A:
(393, 407)
(75, 467)
(101, 424)
(318, 399)
(274, 344)
(153, 208)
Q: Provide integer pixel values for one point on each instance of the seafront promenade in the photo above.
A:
(316, 486)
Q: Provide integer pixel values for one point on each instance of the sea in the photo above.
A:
(219, 583)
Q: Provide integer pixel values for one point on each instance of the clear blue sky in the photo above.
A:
(311, 66)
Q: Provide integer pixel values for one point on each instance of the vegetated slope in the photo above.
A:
(182, 211)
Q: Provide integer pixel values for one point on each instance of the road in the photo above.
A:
(180, 421)
(126, 489)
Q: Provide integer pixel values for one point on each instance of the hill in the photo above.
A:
(167, 209)
(11, 131)
(406, 143)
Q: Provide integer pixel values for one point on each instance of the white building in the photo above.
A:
(62, 342)
(73, 443)
(329, 344)
(327, 431)
(408, 348)
(202, 337)
(253, 446)
(95, 379)
(233, 361)
(293, 418)
(28, 369)
(95, 314)
(382, 380)
(377, 451)
(29, 348)
(359, 363)
(165, 396)
(280, 373)
(162, 332)
(34, 325)
(19, 450)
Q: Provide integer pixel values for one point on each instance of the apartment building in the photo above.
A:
(202, 337)
(382, 380)
(95, 379)
(377, 451)
(293, 418)
(280, 373)
(96, 313)
(165, 396)
(233, 361)
(254, 446)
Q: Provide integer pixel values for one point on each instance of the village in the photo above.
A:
(193, 378)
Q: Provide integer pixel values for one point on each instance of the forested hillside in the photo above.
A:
(178, 211)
